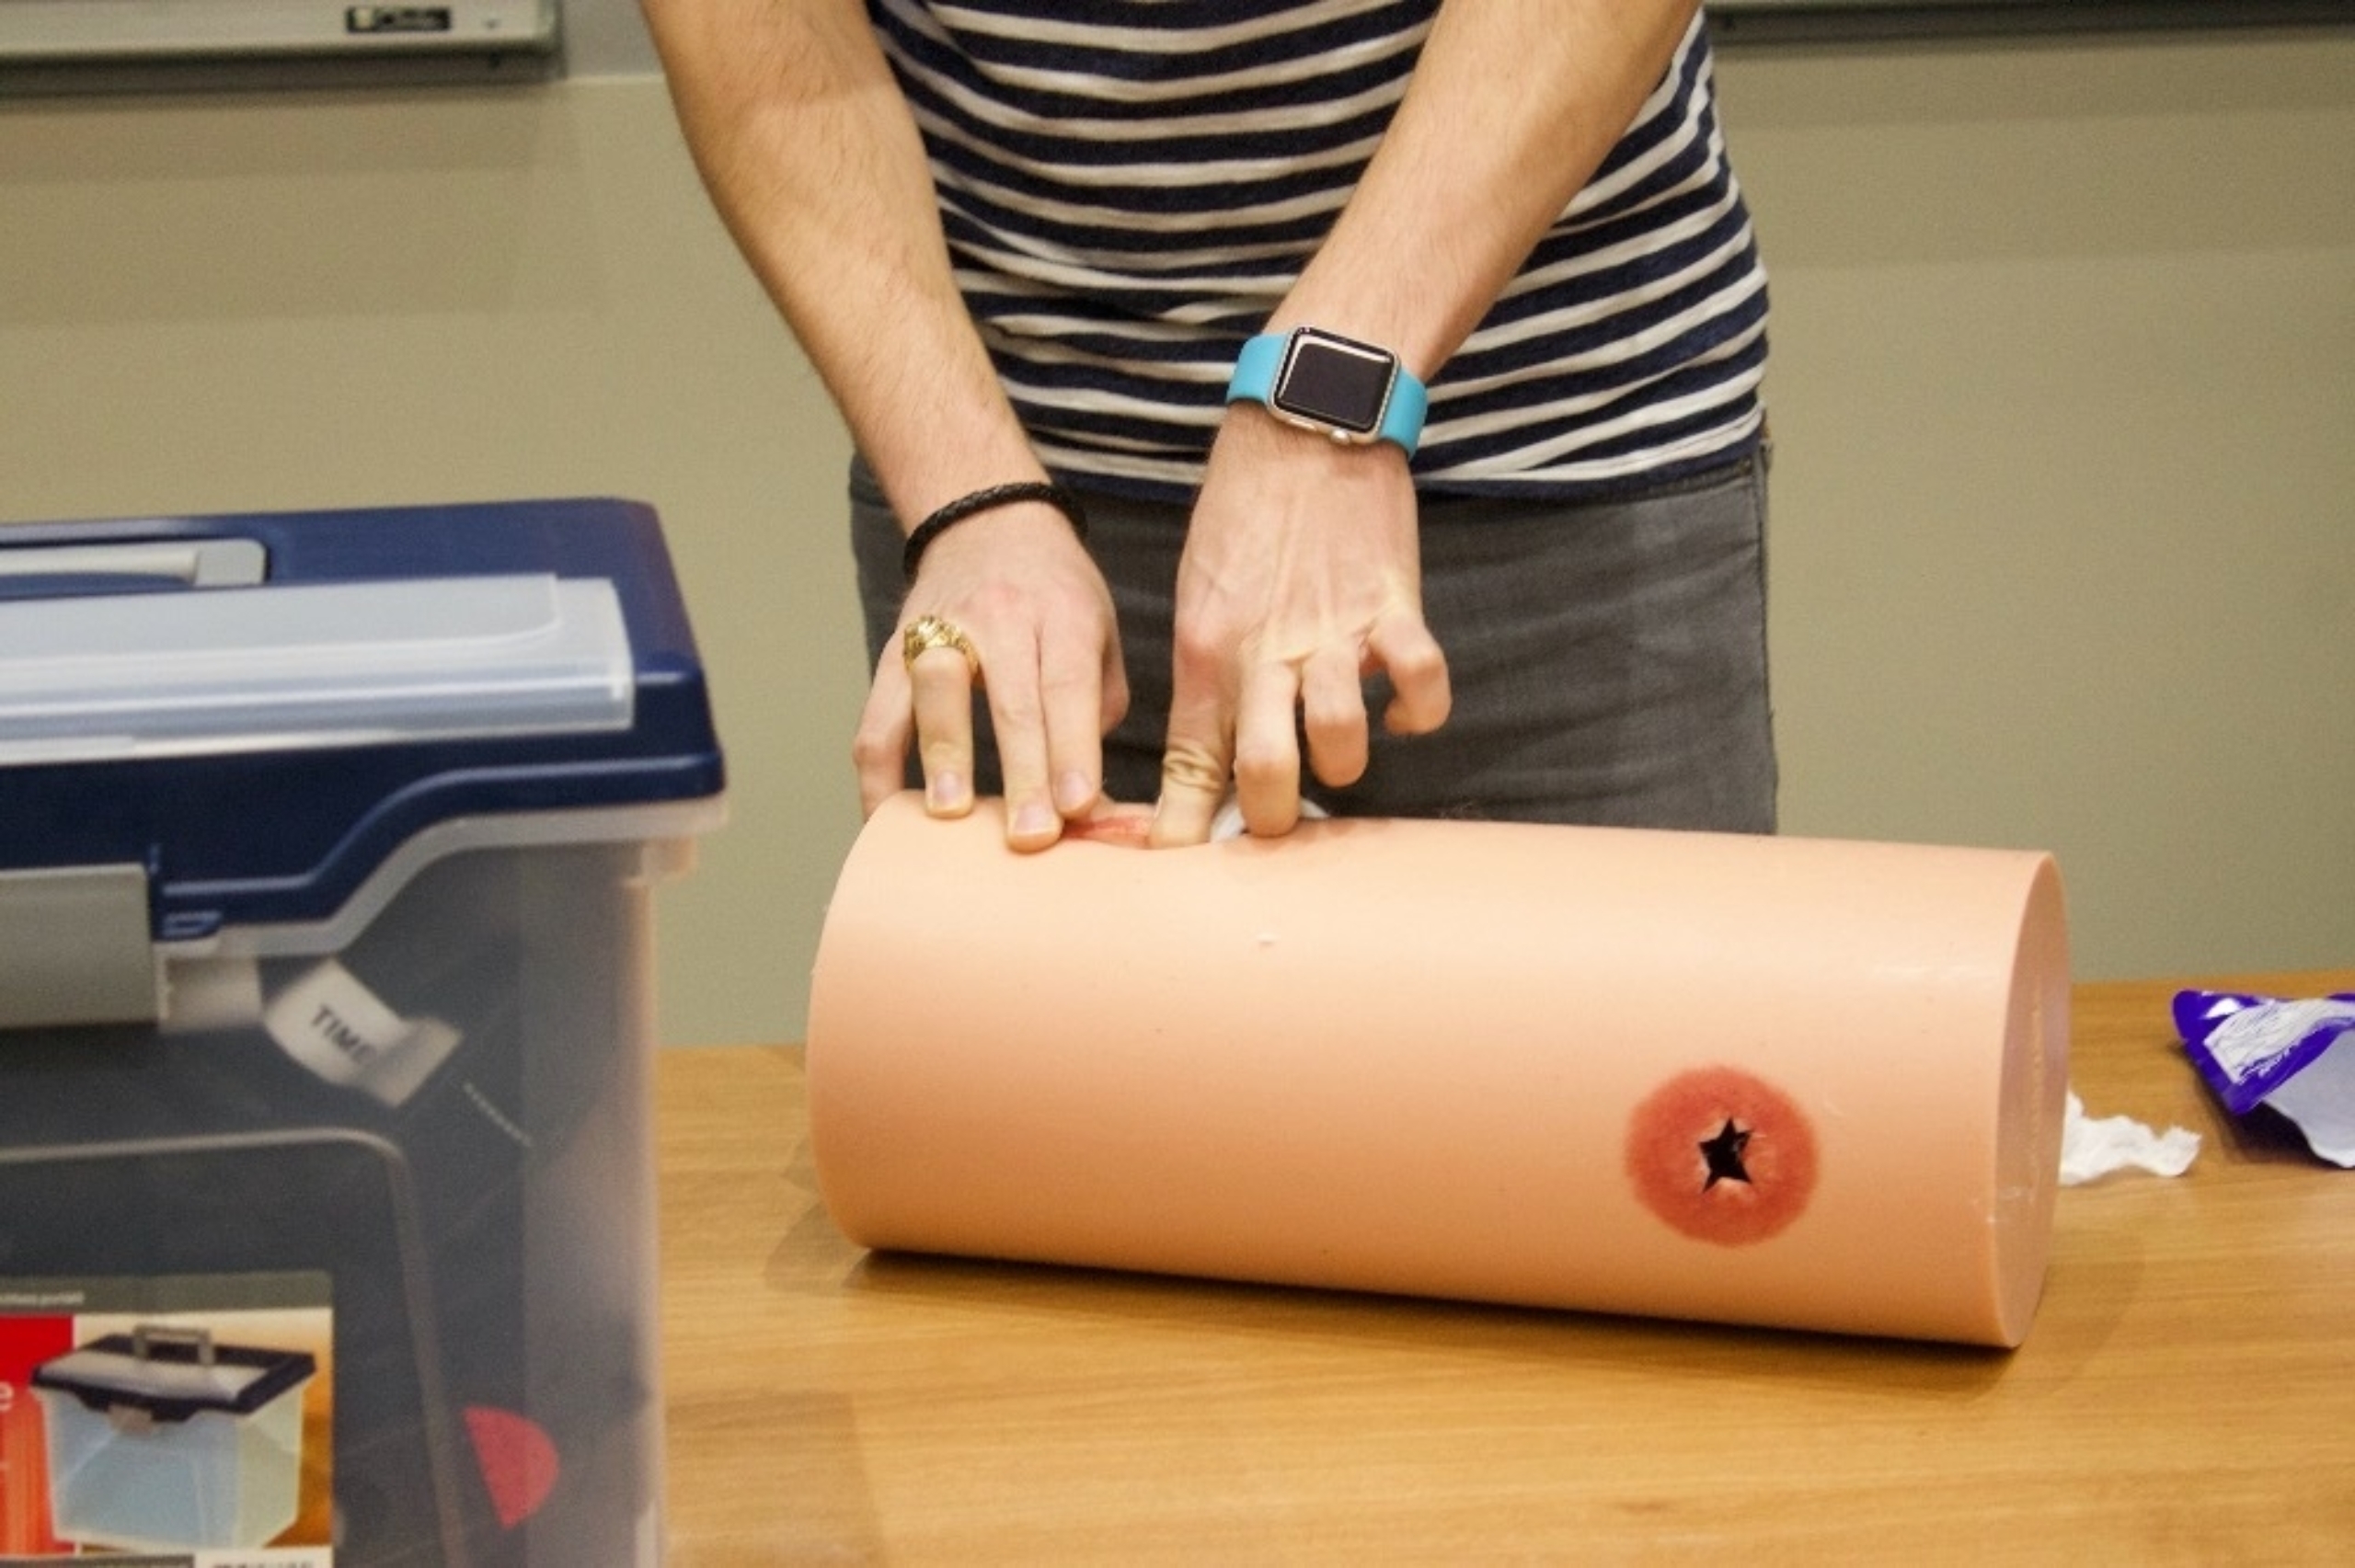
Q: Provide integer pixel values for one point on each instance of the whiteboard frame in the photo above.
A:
(1819, 21)
(66, 46)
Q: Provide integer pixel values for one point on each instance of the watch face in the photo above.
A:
(1335, 382)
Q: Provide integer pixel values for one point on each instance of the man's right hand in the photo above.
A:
(1046, 653)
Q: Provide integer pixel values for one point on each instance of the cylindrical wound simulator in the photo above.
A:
(1800, 1082)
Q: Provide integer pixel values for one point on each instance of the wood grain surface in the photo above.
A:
(2186, 1396)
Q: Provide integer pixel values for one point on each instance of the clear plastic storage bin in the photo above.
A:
(327, 846)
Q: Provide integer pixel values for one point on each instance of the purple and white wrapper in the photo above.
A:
(2297, 1056)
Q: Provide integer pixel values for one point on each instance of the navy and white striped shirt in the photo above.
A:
(1130, 187)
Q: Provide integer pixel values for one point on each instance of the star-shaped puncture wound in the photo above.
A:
(1757, 1171)
(1723, 1154)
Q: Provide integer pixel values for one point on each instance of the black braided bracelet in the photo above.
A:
(996, 495)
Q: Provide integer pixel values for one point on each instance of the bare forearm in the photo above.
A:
(1513, 106)
(814, 164)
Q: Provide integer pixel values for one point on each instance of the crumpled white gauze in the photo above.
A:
(2092, 1147)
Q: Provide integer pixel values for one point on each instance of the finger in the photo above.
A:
(1193, 766)
(943, 706)
(1071, 698)
(1421, 695)
(1031, 821)
(1113, 690)
(1332, 704)
(1266, 751)
(879, 747)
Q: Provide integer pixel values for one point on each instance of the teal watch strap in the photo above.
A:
(1402, 420)
(1254, 380)
(1260, 372)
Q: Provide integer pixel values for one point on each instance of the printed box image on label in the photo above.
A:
(181, 1420)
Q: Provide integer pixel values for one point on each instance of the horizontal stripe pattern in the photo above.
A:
(1130, 187)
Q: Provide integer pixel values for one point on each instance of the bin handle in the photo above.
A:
(38, 569)
(145, 1337)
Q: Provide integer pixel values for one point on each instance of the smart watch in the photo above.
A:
(1352, 392)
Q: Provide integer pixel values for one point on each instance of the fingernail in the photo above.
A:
(1033, 820)
(945, 791)
(1073, 793)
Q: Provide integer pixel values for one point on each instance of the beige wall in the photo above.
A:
(2063, 388)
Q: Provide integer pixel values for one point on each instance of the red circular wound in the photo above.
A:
(1722, 1156)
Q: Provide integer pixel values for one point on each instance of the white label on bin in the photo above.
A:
(340, 1030)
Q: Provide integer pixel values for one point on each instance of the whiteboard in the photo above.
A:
(61, 44)
(1765, 21)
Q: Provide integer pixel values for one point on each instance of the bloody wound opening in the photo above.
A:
(1722, 1156)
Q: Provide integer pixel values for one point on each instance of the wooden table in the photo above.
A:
(2187, 1396)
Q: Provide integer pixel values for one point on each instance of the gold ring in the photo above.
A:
(929, 632)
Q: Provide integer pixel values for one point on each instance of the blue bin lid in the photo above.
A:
(259, 709)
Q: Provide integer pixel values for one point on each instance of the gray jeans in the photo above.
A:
(1608, 658)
